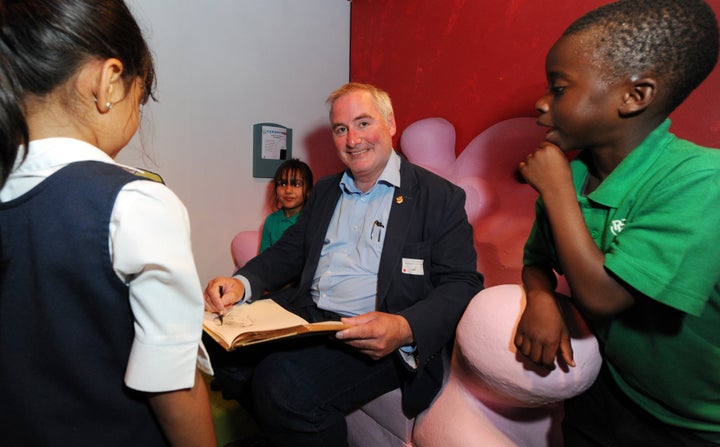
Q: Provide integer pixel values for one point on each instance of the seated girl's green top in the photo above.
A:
(656, 219)
(274, 227)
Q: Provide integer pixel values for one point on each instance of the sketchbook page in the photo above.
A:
(260, 315)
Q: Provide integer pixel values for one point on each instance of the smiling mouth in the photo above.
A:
(358, 153)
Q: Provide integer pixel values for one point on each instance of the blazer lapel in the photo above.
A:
(320, 225)
(401, 211)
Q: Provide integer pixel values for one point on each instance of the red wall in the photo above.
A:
(477, 62)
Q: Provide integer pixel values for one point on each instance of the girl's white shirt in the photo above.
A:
(151, 252)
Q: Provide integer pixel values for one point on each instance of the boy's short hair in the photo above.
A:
(675, 40)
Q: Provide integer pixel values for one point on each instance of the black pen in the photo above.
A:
(220, 315)
(380, 226)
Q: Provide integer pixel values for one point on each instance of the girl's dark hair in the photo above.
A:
(285, 171)
(42, 45)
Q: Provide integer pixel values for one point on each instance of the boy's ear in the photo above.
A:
(640, 95)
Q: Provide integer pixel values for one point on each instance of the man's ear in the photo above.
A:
(391, 124)
(109, 87)
(640, 95)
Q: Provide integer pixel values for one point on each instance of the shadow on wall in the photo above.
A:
(500, 209)
(321, 154)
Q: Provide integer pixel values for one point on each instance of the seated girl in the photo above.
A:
(293, 182)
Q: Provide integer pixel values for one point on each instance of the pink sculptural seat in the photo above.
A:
(244, 246)
(493, 396)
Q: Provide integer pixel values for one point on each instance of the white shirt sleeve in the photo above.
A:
(152, 253)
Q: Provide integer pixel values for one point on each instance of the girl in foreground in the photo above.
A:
(100, 303)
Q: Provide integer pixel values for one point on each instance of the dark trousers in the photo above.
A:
(300, 390)
(604, 416)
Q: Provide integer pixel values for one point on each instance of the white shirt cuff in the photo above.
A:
(248, 290)
(408, 355)
(159, 368)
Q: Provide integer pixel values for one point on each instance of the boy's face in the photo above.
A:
(581, 105)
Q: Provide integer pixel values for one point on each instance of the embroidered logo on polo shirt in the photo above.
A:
(617, 226)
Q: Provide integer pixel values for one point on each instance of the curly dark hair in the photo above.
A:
(675, 40)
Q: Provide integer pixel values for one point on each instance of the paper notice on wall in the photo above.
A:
(274, 143)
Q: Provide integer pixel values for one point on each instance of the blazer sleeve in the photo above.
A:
(285, 260)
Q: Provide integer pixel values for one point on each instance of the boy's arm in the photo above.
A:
(541, 334)
(593, 287)
(185, 416)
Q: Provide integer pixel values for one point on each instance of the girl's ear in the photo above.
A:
(109, 87)
(641, 94)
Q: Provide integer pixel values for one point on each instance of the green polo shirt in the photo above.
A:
(657, 218)
(275, 225)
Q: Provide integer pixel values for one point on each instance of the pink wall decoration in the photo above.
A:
(500, 209)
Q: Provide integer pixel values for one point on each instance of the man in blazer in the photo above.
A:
(385, 246)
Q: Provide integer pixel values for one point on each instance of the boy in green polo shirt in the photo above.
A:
(632, 223)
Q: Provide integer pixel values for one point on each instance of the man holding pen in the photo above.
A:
(386, 247)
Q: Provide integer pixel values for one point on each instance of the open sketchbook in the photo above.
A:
(261, 321)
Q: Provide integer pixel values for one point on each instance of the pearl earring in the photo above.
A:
(108, 105)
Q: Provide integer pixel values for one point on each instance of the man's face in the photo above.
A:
(362, 136)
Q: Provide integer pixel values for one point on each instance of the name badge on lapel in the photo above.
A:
(412, 266)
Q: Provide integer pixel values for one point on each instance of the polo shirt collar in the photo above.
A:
(632, 169)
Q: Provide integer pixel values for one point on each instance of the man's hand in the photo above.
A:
(221, 293)
(376, 334)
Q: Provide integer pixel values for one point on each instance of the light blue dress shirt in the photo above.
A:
(345, 280)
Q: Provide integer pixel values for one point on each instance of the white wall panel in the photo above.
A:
(222, 66)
